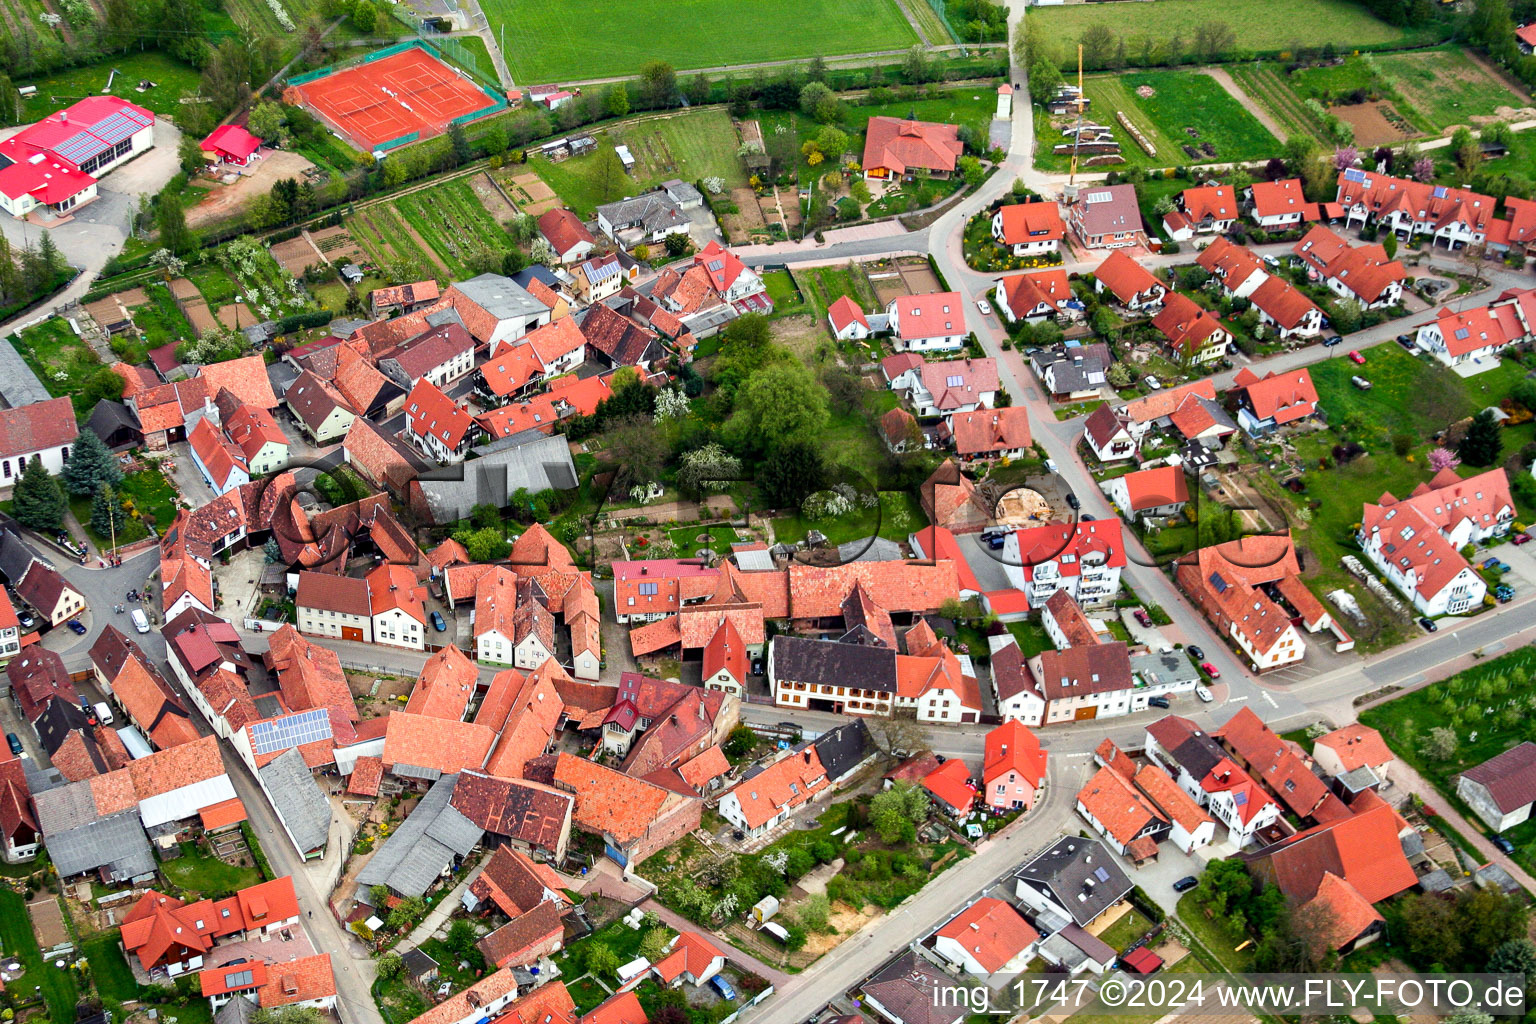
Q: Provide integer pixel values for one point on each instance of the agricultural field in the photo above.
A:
(564, 40)
(391, 245)
(452, 221)
(1265, 81)
(1433, 90)
(1271, 27)
(689, 146)
(172, 79)
(1185, 108)
(260, 16)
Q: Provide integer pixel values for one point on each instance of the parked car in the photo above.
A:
(1196, 652)
(1088, 517)
(1272, 262)
(1204, 694)
(1158, 702)
(1186, 883)
(723, 986)
(1504, 845)
(1361, 383)
(1356, 358)
(1405, 340)
(1152, 383)
(1519, 538)
(996, 541)
(14, 742)
(1490, 563)
(1210, 670)
(986, 310)
(26, 618)
(104, 713)
(1073, 503)
(140, 622)
(78, 627)
(1331, 340)
(1428, 624)
(757, 666)
(438, 622)
(1503, 593)
(1142, 617)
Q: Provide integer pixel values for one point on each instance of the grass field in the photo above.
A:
(453, 222)
(61, 359)
(1432, 89)
(1273, 26)
(59, 989)
(204, 873)
(172, 79)
(1180, 100)
(110, 972)
(561, 40)
(1488, 707)
(689, 146)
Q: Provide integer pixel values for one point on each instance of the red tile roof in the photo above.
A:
(1025, 294)
(623, 1008)
(1362, 849)
(366, 773)
(789, 782)
(1356, 745)
(691, 954)
(1124, 277)
(1214, 201)
(432, 413)
(705, 768)
(1032, 222)
(845, 311)
(1278, 198)
(37, 427)
(371, 454)
(563, 230)
(901, 146)
(992, 932)
(445, 686)
(726, 650)
(435, 743)
(1151, 488)
(297, 981)
(1187, 327)
(1284, 395)
(1342, 913)
(1011, 747)
(222, 814)
(1175, 804)
(932, 315)
(246, 377)
(608, 801)
(1284, 303)
(1112, 801)
(950, 784)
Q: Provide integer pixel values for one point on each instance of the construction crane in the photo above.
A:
(1077, 132)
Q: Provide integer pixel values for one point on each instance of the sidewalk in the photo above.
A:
(438, 916)
(681, 924)
(1404, 775)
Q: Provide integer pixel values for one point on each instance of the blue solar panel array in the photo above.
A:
(100, 137)
(282, 733)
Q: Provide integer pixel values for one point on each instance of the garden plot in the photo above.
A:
(338, 245)
(451, 221)
(393, 246)
(269, 290)
(296, 255)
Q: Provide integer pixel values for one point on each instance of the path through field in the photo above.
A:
(1250, 103)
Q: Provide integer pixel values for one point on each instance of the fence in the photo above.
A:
(764, 994)
(937, 6)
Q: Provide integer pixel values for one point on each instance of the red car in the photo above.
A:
(1519, 538)
(1357, 357)
(1210, 670)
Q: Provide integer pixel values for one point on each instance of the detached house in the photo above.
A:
(1282, 306)
(1036, 297)
(895, 148)
(1082, 558)
(1363, 273)
(1074, 372)
(1132, 286)
(986, 434)
(1075, 881)
(644, 219)
(848, 321)
(1013, 771)
(1029, 229)
(988, 937)
(1231, 583)
(943, 388)
(1234, 267)
(439, 428)
(322, 412)
(716, 277)
(1352, 748)
(566, 234)
(1128, 822)
(766, 796)
(45, 430)
(1194, 335)
(395, 607)
(1276, 205)
(1149, 493)
(1207, 210)
(597, 277)
(1279, 398)
(1108, 434)
(927, 323)
(1107, 217)
(1481, 333)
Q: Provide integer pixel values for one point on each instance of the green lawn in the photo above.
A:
(1432, 89)
(1490, 701)
(397, 1000)
(685, 539)
(1181, 100)
(217, 287)
(204, 873)
(1215, 935)
(689, 146)
(561, 40)
(898, 516)
(1408, 394)
(586, 994)
(1031, 637)
(60, 358)
(59, 989)
(110, 971)
(825, 285)
(152, 494)
(172, 79)
(1271, 27)
(787, 299)
(160, 321)
(1133, 924)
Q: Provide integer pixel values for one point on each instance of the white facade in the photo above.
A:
(397, 629)
(269, 459)
(923, 342)
(494, 648)
(1390, 295)
(1188, 842)
(1429, 339)
(328, 622)
(723, 680)
(1310, 325)
(955, 952)
(1459, 594)
(1223, 807)
(530, 654)
(238, 477)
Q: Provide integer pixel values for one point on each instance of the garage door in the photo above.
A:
(351, 633)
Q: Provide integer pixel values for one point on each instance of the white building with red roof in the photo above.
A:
(1274, 400)
(1276, 204)
(1082, 558)
(1228, 583)
(1237, 269)
(766, 797)
(848, 321)
(1363, 273)
(1014, 767)
(725, 660)
(395, 601)
(1452, 217)
(1473, 335)
(1037, 296)
(1135, 289)
(217, 458)
(894, 148)
(1149, 493)
(1416, 542)
(1029, 229)
(435, 423)
(934, 322)
(1108, 433)
(1194, 335)
(715, 278)
(987, 434)
(987, 937)
(691, 958)
(1107, 217)
(45, 430)
(232, 144)
(943, 388)
(1206, 210)
(1283, 307)
(566, 234)
(55, 162)
(1351, 748)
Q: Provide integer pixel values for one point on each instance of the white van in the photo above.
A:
(104, 713)
(140, 623)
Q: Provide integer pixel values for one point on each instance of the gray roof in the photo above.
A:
(239, 1010)
(501, 297)
(423, 846)
(65, 807)
(682, 192)
(754, 561)
(1164, 669)
(1072, 368)
(16, 556)
(1081, 876)
(844, 748)
(804, 660)
(1361, 778)
(297, 799)
(867, 549)
(528, 460)
(417, 962)
(1438, 880)
(654, 211)
(18, 384)
(116, 843)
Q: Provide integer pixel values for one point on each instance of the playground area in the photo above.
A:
(393, 97)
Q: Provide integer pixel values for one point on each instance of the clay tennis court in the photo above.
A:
(382, 100)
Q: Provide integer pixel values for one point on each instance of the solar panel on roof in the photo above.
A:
(716, 265)
(292, 731)
(1098, 197)
(1219, 583)
(1439, 192)
(1101, 874)
(1461, 332)
(1354, 174)
(1239, 798)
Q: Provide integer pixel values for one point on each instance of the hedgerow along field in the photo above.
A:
(1274, 26)
(574, 40)
(1180, 100)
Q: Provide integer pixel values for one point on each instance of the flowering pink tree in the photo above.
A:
(1423, 169)
(1442, 458)
(1345, 157)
